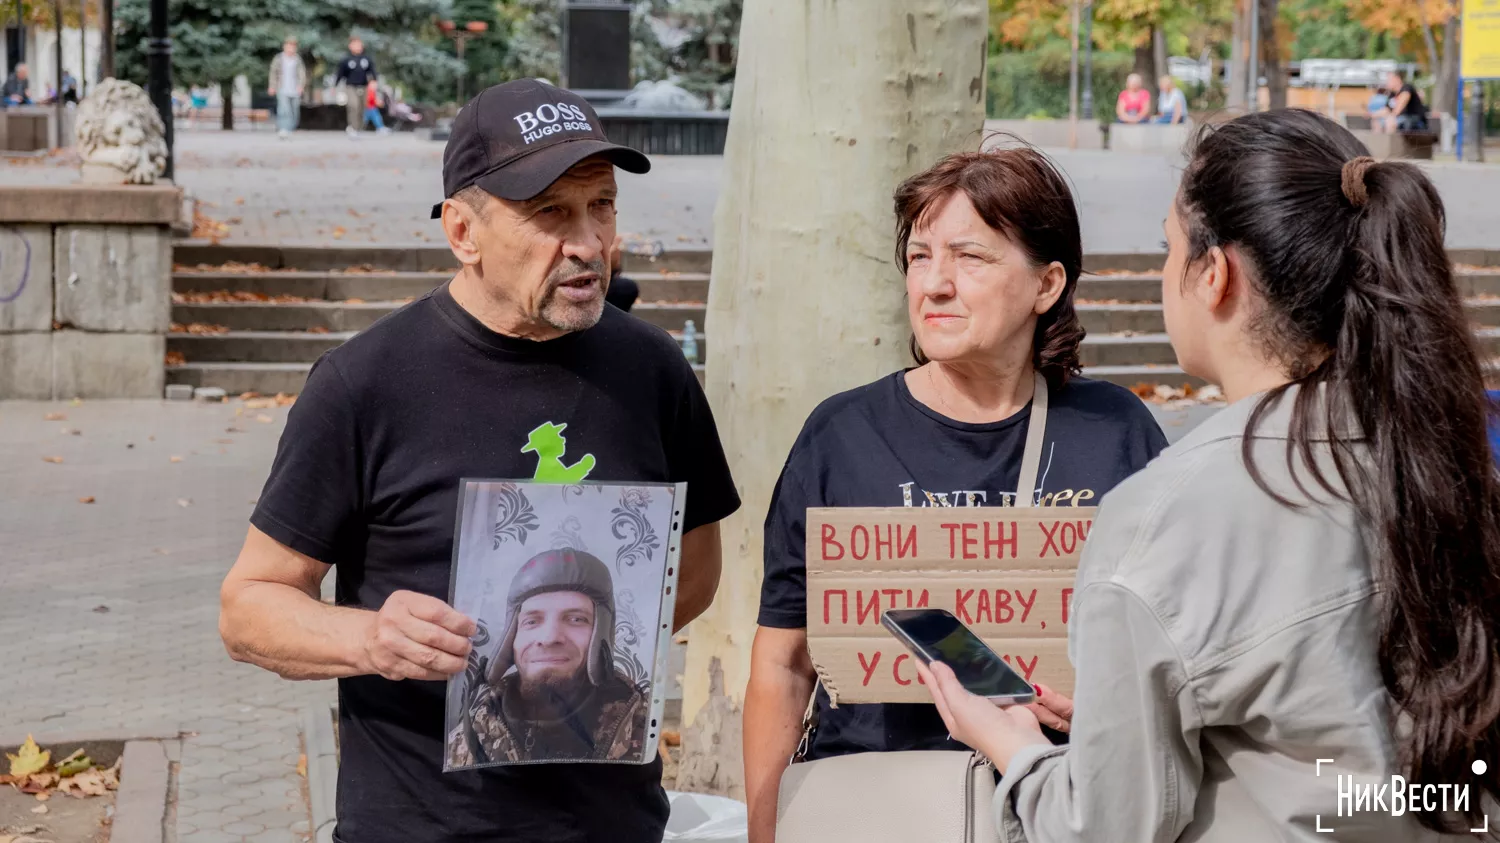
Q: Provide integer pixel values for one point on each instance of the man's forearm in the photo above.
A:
(774, 706)
(292, 634)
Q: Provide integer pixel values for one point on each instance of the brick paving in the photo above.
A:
(109, 611)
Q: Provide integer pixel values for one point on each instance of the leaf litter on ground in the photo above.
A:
(32, 771)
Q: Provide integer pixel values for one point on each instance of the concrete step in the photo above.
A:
(235, 378)
(1129, 376)
(671, 316)
(290, 316)
(671, 286)
(1472, 284)
(255, 346)
(390, 286)
(282, 346)
(1126, 350)
(386, 286)
(1132, 288)
(265, 378)
(654, 257)
(1139, 317)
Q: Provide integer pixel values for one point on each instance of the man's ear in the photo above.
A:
(459, 222)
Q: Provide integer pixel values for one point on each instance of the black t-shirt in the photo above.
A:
(356, 71)
(879, 446)
(1414, 106)
(366, 478)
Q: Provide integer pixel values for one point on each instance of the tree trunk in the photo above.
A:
(226, 93)
(1445, 89)
(1271, 65)
(1158, 55)
(806, 301)
(1237, 69)
(1431, 45)
(1145, 63)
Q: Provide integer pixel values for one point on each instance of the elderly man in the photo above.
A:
(16, 89)
(366, 479)
(553, 691)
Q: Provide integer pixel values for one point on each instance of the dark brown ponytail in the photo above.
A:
(1348, 254)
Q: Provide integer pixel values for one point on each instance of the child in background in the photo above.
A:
(372, 108)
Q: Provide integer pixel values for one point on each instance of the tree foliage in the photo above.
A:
(485, 54)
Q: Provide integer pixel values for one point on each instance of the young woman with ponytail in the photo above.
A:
(1301, 598)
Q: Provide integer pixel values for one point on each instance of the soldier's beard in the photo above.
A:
(549, 692)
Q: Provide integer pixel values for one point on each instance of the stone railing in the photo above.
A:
(85, 290)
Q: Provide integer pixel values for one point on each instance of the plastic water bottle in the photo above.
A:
(690, 342)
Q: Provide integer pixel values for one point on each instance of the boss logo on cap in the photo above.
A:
(549, 119)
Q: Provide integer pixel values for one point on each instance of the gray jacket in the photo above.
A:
(1223, 644)
(275, 83)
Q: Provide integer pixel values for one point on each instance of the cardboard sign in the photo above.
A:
(1005, 572)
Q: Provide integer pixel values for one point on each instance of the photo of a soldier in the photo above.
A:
(552, 691)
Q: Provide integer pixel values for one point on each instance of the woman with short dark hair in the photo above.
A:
(1301, 599)
(990, 245)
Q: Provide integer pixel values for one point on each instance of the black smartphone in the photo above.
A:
(936, 635)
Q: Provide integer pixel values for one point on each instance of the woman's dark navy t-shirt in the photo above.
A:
(879, 446)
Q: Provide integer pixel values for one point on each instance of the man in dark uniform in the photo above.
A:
(552, 691)
(355, 73)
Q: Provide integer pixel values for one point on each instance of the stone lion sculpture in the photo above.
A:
(120, 135)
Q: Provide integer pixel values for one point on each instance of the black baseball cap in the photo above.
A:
(515, 139)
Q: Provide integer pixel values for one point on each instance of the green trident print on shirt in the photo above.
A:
(547, 442)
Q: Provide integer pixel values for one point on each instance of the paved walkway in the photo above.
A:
(109, 610)
(322, 187)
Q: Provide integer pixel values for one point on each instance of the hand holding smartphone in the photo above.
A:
(936, 635)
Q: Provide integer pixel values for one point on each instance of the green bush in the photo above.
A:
(1035, 83)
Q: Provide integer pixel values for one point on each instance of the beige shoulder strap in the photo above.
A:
(1031, 457)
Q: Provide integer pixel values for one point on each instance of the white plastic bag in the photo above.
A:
(700, 818)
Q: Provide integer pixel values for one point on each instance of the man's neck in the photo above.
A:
(498, 315)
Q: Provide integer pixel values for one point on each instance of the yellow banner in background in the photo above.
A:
(1481, 40)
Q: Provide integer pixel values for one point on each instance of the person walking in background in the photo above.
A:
(1313, 573)
(1404, 111)
(355, 73)
(1171, 105)
(288, 81)
(372, 108)
(1134, 103)
(17, 89)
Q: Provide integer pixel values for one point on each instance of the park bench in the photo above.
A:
(1153, 138)
(1413, 145)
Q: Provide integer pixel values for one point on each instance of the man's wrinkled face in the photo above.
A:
(553, 631)
(549, 255)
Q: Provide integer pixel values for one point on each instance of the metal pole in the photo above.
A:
(458, 47)
(1458, 134)
(1253, 103)
(57, 99)
(106, 39)
(159, 73)
(83, 47)
(1088, 62)
(1073, 84)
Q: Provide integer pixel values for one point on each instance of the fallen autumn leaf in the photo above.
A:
(89, 499)
(53, 460)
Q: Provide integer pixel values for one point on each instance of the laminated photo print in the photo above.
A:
(572, 587)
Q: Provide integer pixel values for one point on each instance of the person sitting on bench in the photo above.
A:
(1404, 112)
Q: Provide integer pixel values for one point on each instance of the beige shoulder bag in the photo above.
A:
(934, 796)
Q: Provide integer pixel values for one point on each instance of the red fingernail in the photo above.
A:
(1038, 689)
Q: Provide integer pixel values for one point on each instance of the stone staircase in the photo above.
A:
(253, 319)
